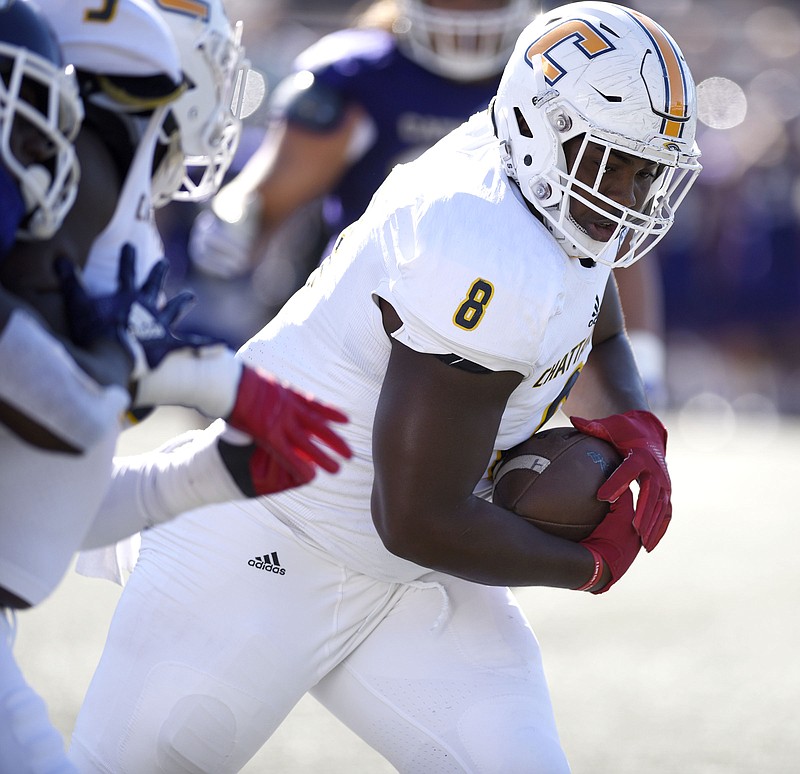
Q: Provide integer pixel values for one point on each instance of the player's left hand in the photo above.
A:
(133, 316)
(641, 439)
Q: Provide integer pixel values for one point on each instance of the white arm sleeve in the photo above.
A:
(40, 379)
(154, 487)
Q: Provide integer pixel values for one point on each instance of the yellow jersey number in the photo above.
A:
(470, 311)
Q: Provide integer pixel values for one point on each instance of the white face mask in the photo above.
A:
(48, 187)
(459, 44)
(208, 114)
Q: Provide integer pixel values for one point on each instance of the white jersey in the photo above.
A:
(133, 220)
(449, 242)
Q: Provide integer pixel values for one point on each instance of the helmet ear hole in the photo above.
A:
(522, 124)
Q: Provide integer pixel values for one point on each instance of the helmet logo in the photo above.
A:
(586, 38)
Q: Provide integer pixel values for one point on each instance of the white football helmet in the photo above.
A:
(208, 113)
(37, 91)
(463, 45)
(614, 76)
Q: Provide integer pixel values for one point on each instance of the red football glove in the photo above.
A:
(285, 424)
(642, 441)
(615, 539)
(258, 471)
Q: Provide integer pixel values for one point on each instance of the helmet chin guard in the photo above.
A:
(617, 79)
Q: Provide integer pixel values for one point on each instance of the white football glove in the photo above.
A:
(222, 248)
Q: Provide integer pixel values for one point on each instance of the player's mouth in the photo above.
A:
(601, 230)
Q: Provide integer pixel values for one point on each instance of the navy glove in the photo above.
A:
(93, 318)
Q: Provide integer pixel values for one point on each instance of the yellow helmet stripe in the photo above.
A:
(675, 86)
(196, 8)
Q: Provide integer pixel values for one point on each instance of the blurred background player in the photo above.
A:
(129, 129)
(452, 319)
(199, 136)
(40, 115)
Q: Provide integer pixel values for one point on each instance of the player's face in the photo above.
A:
(626, 180)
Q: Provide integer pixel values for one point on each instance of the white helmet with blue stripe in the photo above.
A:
(616, 78)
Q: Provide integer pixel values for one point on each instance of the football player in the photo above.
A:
(471, 300)
(127, 88)
(46, 397)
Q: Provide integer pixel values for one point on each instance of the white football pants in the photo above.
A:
(227, 622)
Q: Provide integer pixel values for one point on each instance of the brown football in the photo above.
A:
(552, 478)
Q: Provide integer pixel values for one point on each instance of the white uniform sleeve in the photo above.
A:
(457, 287)
(154, 487)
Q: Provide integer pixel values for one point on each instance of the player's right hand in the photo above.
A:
(615, 539)
(221, 249)
(92, 318)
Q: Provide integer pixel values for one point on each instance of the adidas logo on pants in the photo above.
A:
(268, 562)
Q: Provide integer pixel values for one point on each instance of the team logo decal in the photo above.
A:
(576, 32)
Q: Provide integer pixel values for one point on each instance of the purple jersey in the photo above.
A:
(411, 108)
